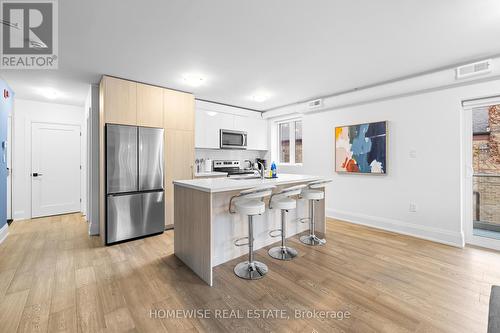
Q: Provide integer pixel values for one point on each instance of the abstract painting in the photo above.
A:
(361, 148)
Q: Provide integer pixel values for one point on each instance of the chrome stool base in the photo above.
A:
(251, 271)
(312, 240)
(282, 252)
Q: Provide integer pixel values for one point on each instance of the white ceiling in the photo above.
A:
(295, 50)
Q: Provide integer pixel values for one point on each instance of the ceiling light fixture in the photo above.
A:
(260, 97)
(193, 80)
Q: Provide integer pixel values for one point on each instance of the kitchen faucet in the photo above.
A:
(261, 170)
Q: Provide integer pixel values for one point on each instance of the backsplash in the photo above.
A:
(228, 154)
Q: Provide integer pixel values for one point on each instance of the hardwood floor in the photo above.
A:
(54, 278)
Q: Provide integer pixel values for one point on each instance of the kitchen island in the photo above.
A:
(205, 231)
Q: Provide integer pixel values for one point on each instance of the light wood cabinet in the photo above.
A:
(149, 105)
(178, 121)
(179, 164)
(131, 103)
(120, 101)
(178, 110)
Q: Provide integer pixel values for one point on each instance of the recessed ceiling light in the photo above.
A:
(211, 113)
(193, 80)
(49, 93)
(260, 97)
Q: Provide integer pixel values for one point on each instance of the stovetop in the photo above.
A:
(232, 167)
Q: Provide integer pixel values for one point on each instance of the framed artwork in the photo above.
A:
(362, 148)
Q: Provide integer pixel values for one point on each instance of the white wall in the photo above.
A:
(25, 113)
(430, 124)
(92, 121)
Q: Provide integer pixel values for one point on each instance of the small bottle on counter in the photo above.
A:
(274, 171)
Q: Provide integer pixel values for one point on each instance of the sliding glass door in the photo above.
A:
(482, 173)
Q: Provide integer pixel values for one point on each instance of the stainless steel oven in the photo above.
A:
(230, 139)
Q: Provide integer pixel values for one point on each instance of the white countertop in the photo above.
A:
(210, 174)
(214, 185)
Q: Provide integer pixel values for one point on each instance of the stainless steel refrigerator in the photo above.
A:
(135, 200)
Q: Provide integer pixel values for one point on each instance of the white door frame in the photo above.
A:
(467, 172)
(10, 145)
(28, 159)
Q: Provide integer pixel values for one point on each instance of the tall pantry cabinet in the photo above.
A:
(127, 102)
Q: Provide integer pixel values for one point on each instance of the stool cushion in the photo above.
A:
(319, 183)
(283, 203)
(250, 207)
(312, 194)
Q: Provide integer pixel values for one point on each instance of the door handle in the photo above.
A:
(36, 174)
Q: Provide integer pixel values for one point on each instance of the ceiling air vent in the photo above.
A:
(317, 103)
(477, 68)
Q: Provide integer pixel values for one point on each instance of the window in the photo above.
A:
(284, 142)
(298, 141)
(290, 142)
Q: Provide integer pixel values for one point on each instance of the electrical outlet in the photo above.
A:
(412, 208)
(413, 153)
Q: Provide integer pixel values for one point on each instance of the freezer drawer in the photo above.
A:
(150, 158)
(134, 215)
(121, 159)
(153, 213)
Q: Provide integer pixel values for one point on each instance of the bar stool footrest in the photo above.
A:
(304, 219)
(237, 241)
(275, 233)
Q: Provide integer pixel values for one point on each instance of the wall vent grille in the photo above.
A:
(476, 68)
(315, 104)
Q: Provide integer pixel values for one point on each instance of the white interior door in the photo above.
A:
(9, 168)
(55, 169)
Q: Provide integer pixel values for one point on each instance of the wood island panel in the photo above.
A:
(205, 231)
(193, 230)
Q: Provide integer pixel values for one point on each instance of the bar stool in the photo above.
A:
(311, 194)
(282, 200)
(249, 202)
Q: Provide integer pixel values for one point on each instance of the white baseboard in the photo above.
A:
(428, 233)
(4, 231)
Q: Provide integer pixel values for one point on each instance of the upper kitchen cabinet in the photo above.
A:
(149, 105)
(212, 117)
(119, 101)
(178, 110)
(256, 129)
(208, 125)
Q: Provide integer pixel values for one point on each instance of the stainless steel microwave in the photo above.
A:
(230, 139)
